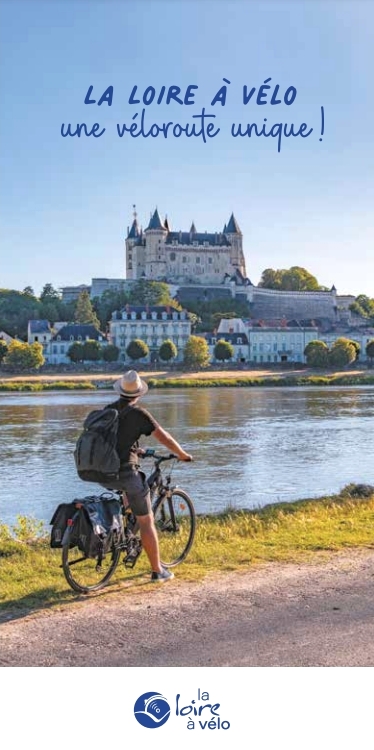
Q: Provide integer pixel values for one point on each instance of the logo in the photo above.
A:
(152, 710)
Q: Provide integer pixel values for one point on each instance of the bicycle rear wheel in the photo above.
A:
(175, 522)
(85, 574)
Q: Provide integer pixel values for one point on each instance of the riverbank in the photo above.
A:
(235, 540)
(200, 379)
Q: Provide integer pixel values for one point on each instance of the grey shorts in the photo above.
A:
(135, 485)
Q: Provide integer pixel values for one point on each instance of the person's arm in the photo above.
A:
(168, 441)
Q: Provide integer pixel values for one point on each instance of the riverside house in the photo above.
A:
(56, 341)
(153, 324)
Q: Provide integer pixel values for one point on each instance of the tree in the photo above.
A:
(49, 294)
(342, 353)
(370, 350)
(316, 353)
(110, 353)
(76, 352)
(223, 350)
(16, 309)
(196, 352)
(168, 350)
(357, 347)
(3, 350)
(21, 356)
(294, 279)
(137, 349)
(92, 351)
(105, 305)
(84, 312)
(28, 291)
(363, 306)
(145, 292)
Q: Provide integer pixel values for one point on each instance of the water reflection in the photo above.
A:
(252, 446)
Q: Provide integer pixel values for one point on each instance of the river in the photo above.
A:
(251, 446)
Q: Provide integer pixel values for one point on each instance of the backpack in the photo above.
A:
(96, 457)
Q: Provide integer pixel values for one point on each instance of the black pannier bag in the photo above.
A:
(59, 523)
(93, 527)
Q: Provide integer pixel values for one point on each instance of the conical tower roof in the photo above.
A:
(134, 231)
(155, 222)
(233, 226)
(193, 228)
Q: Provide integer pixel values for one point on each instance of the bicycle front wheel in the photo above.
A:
(85, 574)
(175, 522)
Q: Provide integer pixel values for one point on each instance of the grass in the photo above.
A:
(10, 386)
(234, 540)
(196, 380)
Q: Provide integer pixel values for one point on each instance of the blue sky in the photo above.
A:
(66, 202)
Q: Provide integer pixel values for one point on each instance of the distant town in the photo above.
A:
(186, 298)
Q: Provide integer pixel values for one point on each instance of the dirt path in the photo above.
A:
(276, 615)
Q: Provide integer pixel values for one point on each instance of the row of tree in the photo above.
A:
(20, 356)
(342, 353)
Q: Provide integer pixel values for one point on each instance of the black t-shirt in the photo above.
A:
(134, 421)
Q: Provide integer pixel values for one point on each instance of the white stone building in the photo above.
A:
(56, 341)
(238, 341)
(151, 324)
(183, 257)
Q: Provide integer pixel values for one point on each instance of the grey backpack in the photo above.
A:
(96, 457)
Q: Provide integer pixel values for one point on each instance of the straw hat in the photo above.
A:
(130, 385)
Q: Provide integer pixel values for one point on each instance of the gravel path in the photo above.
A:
(319, 614)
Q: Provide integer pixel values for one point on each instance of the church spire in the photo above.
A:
(193, 228)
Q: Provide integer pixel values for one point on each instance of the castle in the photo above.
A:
(192, 257)
(201, 266)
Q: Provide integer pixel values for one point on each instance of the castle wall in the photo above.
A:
(272, 303)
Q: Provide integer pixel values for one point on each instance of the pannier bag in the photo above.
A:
(96, 457)
(93, 527)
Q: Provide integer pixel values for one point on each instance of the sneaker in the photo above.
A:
(165, 575)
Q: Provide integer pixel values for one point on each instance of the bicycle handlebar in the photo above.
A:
(151, 453)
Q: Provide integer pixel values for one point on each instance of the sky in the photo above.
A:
(66, 202)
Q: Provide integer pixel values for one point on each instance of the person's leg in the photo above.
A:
(150, 541)
(136, 487)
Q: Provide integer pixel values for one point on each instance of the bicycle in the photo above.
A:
(175, 521)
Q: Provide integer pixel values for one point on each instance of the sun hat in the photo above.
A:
(130, 385)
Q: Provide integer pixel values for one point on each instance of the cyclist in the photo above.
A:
(135, 421)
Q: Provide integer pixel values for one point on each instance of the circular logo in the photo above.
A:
(152, 710)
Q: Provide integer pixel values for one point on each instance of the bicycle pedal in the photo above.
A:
(129, 562)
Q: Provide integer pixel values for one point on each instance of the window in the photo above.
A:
(210, 260)
(184, 259)
(79, 338)
(195, 243)
(172, 256)
(62, 349)
(239, 340)
(198, 259)
(59, 338)
(36, 338)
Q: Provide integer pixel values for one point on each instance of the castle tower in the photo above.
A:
(135, 260)
(235, 237)
(155, 256)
